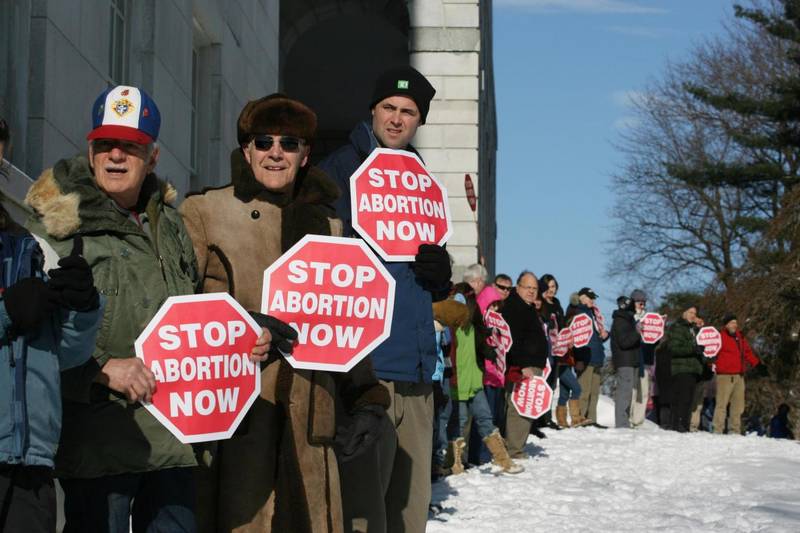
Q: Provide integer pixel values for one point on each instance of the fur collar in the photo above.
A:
(67, 199)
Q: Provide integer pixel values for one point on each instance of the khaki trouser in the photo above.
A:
(589, 381)
(518, 427)
(641, 395)
(697, 405)
(730, 389)
(409, 492)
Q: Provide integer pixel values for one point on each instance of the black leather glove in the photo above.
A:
(432, 264)
(28, 302)
(283, 335)
(73, 282)
(362, 432)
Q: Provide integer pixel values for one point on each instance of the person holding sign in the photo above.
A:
(590, 359)
(116, 462)
(526, 358)
(279, 473)
(685, 367)
(405, 362)
(647, 354)
(626, 344)
(733, 360)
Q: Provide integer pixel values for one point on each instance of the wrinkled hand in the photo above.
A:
(432, 264)
(28, 302)
(282, 335)
(260, 351)
(527, 372)
(363, 431)
(73, 282)
(130, 377)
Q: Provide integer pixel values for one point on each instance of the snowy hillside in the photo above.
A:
(630, 480)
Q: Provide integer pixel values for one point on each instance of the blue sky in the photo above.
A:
(563, 72)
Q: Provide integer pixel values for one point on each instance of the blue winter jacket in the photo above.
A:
(30, 386)
(409, 354)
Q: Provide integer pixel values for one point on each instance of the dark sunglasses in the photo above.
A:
(288, 144)
(503, 287)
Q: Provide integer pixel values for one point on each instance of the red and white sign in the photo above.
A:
(711, 341)
(532, 397)
(336, 294)
(561, 343)
(398, 204)
(652, 328)
(582, 330)
(199, 348)
(547, 369)
(501, 332)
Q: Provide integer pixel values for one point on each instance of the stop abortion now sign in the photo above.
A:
(710, 339)
(532, 397)
(652, 328)
(199, 348)
(398, 204)
(582, 330)
(338, 296)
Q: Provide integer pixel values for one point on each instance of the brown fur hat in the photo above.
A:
(276, 114)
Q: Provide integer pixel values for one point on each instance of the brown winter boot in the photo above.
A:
(575, 414)
(455, 450)
(561, 416)
(500, 457)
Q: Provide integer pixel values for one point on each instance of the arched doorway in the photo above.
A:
(331, 53)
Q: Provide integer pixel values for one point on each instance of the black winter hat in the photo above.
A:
(405, 81)
(727, 318)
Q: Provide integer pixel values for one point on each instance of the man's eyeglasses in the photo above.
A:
(288, 144)
(505, 288)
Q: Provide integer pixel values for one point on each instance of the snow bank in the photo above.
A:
(590, 479)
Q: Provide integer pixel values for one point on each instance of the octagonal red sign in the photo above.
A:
(338, 296)
(652, 327)
(561, 343)
(198, 347)
(398, 205)
(582, 330)
(711, 341)
(532, 397)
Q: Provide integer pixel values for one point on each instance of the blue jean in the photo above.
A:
(478, 407)
(570, 388)
(441, 418)
(163, 502)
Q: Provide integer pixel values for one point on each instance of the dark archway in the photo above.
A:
(331, 53)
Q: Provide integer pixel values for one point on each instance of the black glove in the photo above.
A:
(283, 335)
(73, 282)
(28, 302)
(432, 264)
(362, 432)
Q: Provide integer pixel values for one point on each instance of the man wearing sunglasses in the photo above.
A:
(395, 496)
(504, 284)
(279, 472)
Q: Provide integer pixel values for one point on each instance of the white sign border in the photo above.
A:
(165, 421)
(387, 329)
(354, 205)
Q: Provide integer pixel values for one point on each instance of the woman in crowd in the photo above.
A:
(467, 387)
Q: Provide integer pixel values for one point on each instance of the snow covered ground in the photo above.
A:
(591, 479)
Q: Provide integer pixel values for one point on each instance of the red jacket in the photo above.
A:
(735, 357)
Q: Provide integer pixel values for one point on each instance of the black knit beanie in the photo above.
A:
(405, 81)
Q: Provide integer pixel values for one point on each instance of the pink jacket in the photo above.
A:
(492, 377)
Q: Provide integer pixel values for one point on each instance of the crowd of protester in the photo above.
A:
(105, 246)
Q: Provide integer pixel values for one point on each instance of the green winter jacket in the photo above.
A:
(682, 346)
(103, 434)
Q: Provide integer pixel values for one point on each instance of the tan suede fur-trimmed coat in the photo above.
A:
(279, 472)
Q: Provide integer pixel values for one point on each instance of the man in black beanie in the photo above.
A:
(388, 488)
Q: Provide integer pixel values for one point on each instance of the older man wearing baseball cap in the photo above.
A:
(117, 464)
